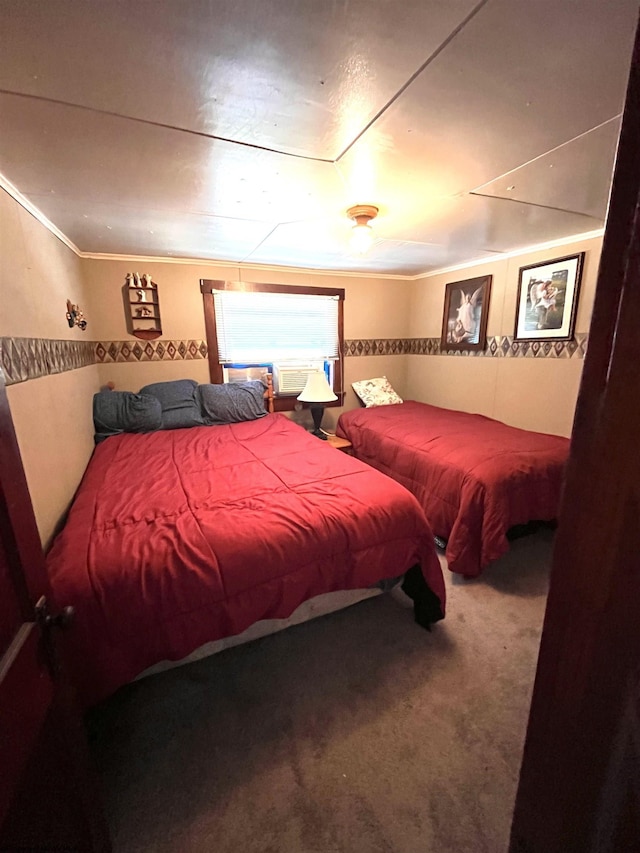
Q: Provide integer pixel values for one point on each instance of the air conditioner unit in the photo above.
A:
(291, 378)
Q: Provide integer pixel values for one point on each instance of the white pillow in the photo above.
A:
(376, 392)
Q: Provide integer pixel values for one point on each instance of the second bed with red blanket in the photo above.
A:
(184, 536)
(474, 477)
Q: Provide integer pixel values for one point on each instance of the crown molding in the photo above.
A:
(22, 200)
(239, 265)
(514, 253)
(499, 256)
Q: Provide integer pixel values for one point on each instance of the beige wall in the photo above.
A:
(373, 308)
(538, 394)
(52, 415)
(53, 420)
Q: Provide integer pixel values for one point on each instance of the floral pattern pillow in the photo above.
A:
(376, 392)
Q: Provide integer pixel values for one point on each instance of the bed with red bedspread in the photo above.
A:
(180, 537)
(474, 477)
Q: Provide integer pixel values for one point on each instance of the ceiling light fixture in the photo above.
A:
(362, 233)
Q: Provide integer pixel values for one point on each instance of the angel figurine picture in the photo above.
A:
(547, 299)
(466, 306)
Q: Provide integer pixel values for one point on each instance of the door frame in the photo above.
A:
(48, 793)
(579, 788)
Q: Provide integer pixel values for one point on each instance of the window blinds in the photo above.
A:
(267, 327)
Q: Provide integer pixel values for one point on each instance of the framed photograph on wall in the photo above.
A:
(547, 299)
(466, 308)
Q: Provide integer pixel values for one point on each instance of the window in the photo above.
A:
(270, 323)
(255, 327)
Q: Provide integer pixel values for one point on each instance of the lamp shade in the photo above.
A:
(317, 389)
(361, 238)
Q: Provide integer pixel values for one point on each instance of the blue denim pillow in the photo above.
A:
(232, 403)
(180, 405)
(122, 411)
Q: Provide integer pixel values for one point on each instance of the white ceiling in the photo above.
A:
(242, 130)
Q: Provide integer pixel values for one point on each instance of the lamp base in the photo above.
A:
(316, 413)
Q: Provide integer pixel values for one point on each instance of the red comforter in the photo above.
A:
(180, 537)
(474, 477)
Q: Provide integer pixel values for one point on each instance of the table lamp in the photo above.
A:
(317, 392)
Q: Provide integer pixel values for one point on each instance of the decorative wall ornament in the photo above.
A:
(75, 317)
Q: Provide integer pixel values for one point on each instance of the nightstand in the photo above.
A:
(339, 443)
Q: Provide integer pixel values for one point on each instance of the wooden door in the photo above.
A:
(579, 788)
(47, 796)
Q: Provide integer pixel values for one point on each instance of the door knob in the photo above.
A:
(48, 620)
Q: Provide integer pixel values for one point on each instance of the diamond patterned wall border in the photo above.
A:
(158, 350)
(29, 358)
(499, 346)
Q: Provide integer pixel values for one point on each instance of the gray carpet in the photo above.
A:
(357, 732)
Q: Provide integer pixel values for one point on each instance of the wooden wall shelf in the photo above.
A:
(142, 307)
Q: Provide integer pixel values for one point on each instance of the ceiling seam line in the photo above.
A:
(6, 185)
(154, 209)
(413, 77)
(264, 239)
(546, 153)
(164, 126)
(534, 204)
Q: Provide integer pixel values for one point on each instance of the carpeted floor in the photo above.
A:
(357, 732)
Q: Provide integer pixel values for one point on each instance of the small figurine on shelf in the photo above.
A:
(145, 311)
(147, 280)
(129, 279)
(142, 297)
(138, 280)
